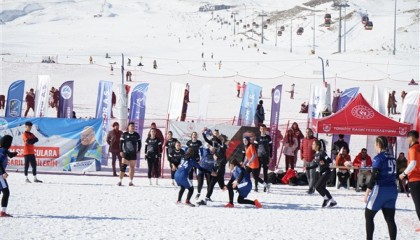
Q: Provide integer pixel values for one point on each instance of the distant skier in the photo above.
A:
(202, 55)
(129, 62)
(112, 70)
(128, 76)
(154, 64)
(204, 66)
(292, 91)
(107, 55)
(90, 60)
(238, 89)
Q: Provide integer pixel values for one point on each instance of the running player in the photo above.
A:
(130, 146)
(240, 181)
(322, 164)
(5, 143)
(381, 193)
(252, 163)
(182, 178)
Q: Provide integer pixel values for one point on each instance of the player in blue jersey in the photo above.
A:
(5, 143)
(240, 181)
(182, 178)
(381, 193)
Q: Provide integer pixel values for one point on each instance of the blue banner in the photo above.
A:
(274, 123)
(15, 99)
(138, 109)
(347, 96)
(249, 105)
(64, 144)
(65, 106)
(103, 111)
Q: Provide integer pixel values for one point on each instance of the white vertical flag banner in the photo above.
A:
(408, 115)
(122, 106)
(176, 100)
(41, 96)
(203, 103)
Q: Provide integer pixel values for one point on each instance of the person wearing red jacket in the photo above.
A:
(307, 155)
(343, 173)
(362, 160)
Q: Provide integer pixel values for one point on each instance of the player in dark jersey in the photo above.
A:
(196, 145)
(175, 159)
(130, 145)
(170, 144)
(5, 143)
(264, 147)
(382, 193)
(153, 152)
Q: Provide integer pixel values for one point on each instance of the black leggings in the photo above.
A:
(191, 173)
(181, 192)
(200, 180)
(256, 174)
(290, 161)
(30, 158)
(241, 200)
(321, 185)
(173, 172)
(264, 165)
(5, 198)
(152, 164)
(415, 194)
(220, 178)
(389, 215)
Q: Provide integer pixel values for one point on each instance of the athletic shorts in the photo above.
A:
(244, 189)
(182, 180)
(130, 156)
(3, 183)
(382, 197)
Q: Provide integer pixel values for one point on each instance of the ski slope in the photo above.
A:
(175, 34)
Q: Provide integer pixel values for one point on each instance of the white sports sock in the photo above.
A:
(3, 209)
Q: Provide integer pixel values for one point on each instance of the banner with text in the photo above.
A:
(64, 144)
(15, 99)
(249, 105)
(138, 109)
(65, 106)
(42, 95)
(103, 112)
(274, 123)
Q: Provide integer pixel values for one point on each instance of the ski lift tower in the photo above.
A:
(340, 4)
(262, 15)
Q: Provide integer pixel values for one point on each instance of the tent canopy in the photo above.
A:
(359, 118)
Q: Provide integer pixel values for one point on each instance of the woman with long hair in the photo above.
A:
(322, 164)
(382, 193)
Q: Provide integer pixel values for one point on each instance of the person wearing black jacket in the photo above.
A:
(130, 145)
(264, 147)
(195, 144)
(175, 159)
(214, 141)
(153, 152)
(322, 164)
(5, 143)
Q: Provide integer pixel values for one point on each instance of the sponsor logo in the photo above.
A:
(66, 92)
(362, 112)
(14, 109)
(326, 127)
(402, 131)
(277, 96)
(3, 124)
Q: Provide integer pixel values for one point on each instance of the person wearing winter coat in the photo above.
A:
(307, 155)
(290, 145)
(259, 114)
(113, 140)
(362, 160)
(343, 172)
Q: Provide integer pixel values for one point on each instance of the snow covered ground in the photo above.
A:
(176, 34)
(88, 207)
